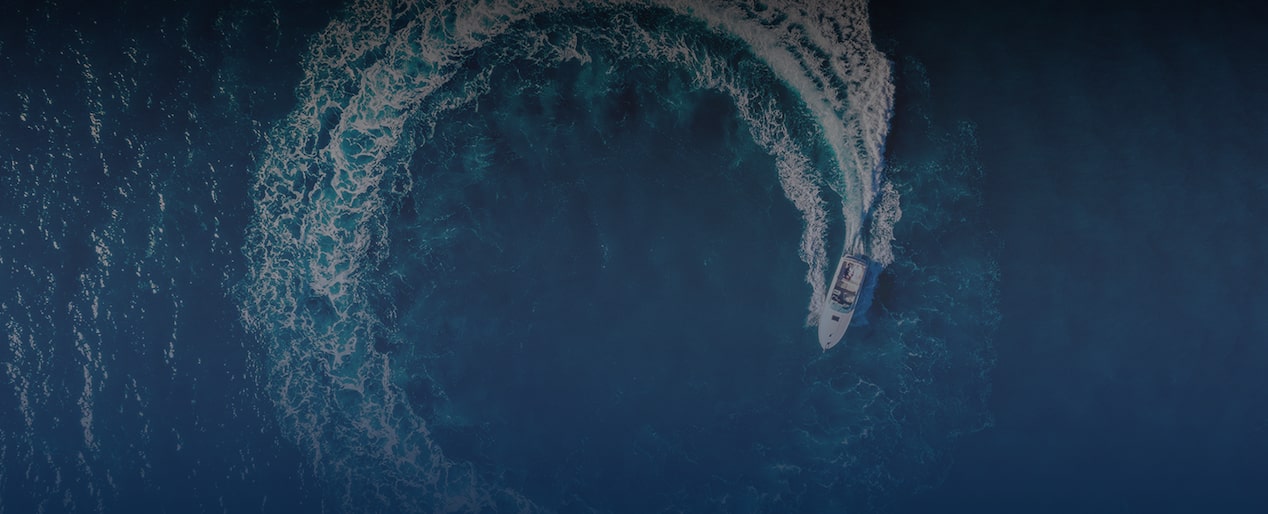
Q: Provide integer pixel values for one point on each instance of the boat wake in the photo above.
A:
(815, 93)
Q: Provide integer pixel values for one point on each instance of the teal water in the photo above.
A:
(538, 257)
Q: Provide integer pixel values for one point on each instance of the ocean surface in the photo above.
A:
(568, 256)
(1127, 178)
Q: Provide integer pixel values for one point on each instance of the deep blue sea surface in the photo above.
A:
(1127, 178)
(568, 256)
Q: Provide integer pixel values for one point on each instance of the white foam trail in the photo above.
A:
(885, 213)
(320, 207)
(814, 47)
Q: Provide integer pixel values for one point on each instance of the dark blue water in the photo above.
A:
(1125, 174)
(626, 346)
(414, 258)
(128, 384)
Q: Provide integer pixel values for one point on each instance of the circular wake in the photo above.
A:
(379, 88)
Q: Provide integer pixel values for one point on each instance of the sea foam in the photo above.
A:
(323, 190)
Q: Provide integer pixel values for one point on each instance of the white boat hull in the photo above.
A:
(832, 327)
(838, 307)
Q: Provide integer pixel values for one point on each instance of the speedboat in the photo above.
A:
(838, 308)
